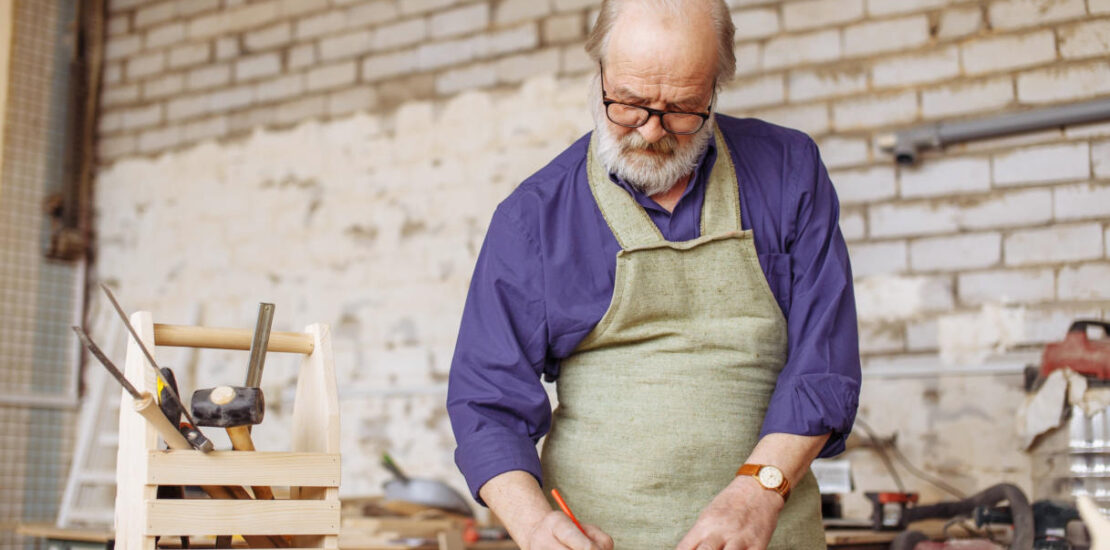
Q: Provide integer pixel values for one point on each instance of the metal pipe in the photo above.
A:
(906, 145)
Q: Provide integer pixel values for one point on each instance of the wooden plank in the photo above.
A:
(239, 517)
(243, 468)
(137, 438)
(49, 531)
(316, 405)
(230, 338)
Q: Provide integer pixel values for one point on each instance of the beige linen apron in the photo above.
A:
(664, 399)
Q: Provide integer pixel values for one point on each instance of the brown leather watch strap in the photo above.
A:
(753, 470)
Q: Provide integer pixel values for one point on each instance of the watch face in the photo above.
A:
(770, 477)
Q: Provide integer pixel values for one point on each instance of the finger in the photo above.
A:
(568, 534)
(601, 538)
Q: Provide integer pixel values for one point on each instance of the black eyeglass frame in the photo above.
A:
(655, 112)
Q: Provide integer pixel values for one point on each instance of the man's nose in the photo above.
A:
(652, 131)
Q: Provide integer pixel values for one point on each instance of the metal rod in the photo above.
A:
(108, 364)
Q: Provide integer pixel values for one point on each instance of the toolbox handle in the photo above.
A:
(229, 338)
(1083, 324)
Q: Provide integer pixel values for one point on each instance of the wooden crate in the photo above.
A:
(309, 518)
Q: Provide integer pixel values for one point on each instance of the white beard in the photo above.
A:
(651, 168)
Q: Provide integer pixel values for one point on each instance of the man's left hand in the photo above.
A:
(741, 517)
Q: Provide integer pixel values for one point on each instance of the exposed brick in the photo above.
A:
(809, 14)
(1098, 6)
(118, 24)
(880, 338)
(421, 6)
(442, 54)
(164, 35)
(821, 82)
(1085, 282)
(479, 75)
(208, 76)
(1088, 130)
(1085, 200)
(378, 67)
(302, 109)
(756, 23)
(187, 8)
(316, 25)
(302, 56)
(1007, 286)
(755, 92)
(269, 37)
(852, 225)
(235, 19)
(563, 28)
(865, 185)
(189, 54)
(159, 139)
(573, 59)
(122, 46)
(332, 76)
(1057, 162)
(519, 38)
(946, 176)
(521, 66)
(878, 258)
(1059, 243)
(1050, 325)
(227, 47)
(570, 5)
(145, 65)
(888, 7)
(1011, 14)
(956, 23)
(967, 97)
(230, 99)
(372, 13)
(840, 151)
(513, 11)
(113, 74)
(346, 45)
(921, 335)
(917, 68)
(875, 111)
(883, 36)
(1057, 84)
(116, 147)
(205, 129)
(140, 117)
(812, 119)
(1100, 157)
(164, 86)
(257, 66)
(282, 87)
(1085, 39)
(1014, 209)
(351, 100)
(814, 47)
(749, 58)
(956, 252)
(459, 21)
(1008, 52)
(399, 34)
(155, 13)
(119, 95)
(293, 8)
(109, 122)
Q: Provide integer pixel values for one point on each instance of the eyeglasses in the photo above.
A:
(634, 116)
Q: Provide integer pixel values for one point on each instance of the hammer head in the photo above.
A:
(228, 406)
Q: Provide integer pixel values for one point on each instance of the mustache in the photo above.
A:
(633, 142)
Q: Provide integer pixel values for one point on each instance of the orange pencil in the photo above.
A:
(566, 509)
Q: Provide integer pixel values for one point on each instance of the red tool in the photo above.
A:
(566, 509)
(1080, 354)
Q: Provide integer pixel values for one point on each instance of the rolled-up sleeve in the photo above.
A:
(496, 402)
(818, 389)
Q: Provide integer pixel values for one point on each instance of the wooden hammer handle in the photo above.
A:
(241, 441)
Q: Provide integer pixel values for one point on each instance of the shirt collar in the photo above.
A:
(707, 159)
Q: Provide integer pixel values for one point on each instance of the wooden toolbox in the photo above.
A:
(309, 518)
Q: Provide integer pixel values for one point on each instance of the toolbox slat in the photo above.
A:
(243, 468)
(241, 517)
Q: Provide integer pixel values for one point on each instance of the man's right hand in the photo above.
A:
(519, 503)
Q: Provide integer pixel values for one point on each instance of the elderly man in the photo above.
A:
(682, 277)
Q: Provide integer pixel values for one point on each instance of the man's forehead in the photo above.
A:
(671, 50)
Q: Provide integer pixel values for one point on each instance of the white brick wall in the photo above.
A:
(888, 35)
(1008, 52)
(1060, 243)
(1085, 282)
(1024, 286)
(888, 257)
(946, 176)
(1009, 14)
(966, 251)
(1070, 161)
(820, 13)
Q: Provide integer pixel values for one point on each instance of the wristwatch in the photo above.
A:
(769, 477)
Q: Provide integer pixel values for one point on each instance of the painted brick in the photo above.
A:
(257, 66)
(563, 28)
(1100, 159)
(302, 109)
(232, 20)
(1050, 325)
(442, 54)
(809, 14)
(352, 100)
(1008, 52)
(917, 68)
(404, 33)
(187, 8)
(1057, 162)
(372, 13)
(513, 11)
(109, 122)
(118, 24)
(946, 176)
(967, 97)
(293, 8)
(748, 58)
(141, 117)
(121, 47)
(875, 111)
(877, 258)
(164, 35)
(519, 38)
(227, 47)
(1098, 6)
(815, 47)
(757, 92)
(852, 225)
(322, 24)
(163, 86)
(155, 13)
(378, 67)
(1012, 14)
(571, 5)
(116, 147)
(145, 65)
(957, 252)
(159, 139)
(821, 82)
(812, 119)
(522, 66)
(208, 76)
(957, 23)
(332, 76)
(1085, 200)
(1058, 84)
(1085, 282)
(282, 87)
(420, 6)
(840, 151)
(1085, 39)
(889, 7)
(756, 23)
(999, 210)
(230, 99)
(302, 56)
(346, 45)
(269, 37)
(479, 75)
(205, 129)
(880, 338)
(189, 54)
(1021, 286)
(113, 74)
(456, 22)
(1091, 130)
(866, 185)
(921, 335)
(118, 95)
(573, 59)
(1059, 243)
(884, 36)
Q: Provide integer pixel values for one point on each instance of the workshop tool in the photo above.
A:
(174, 411)
(424, 492)
(888, 509)
(566, 510)
(1087, 357)
(198, 445)
(145, 405)
(1022, 517)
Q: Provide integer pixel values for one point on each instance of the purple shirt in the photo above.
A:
(545, 275)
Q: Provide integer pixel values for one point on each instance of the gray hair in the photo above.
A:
(598, 40)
